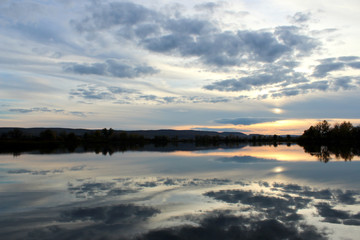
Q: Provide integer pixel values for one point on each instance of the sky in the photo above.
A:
(271, 67)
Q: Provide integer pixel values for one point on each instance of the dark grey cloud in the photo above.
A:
(122, 95)
(332, 84)
(189, 26)
(257, 201)
(91, 92)
(355, 65)
(95, 92)
(345, 83)
(29, 110)
(78, 114)
(125, 214)
(110, 68)
(270, 214)
(324, 194)
(19, 171)
(292, 37)
(332, 215)
(148, 97)
(195, 37)
(329, 65)
(246, 121)
(233, 48)
(305, 88)
(105, 16)
(346, 197)
(45, 172)
(95, 68)
(323, 69)
(222, 225)
(270, 74)
(120, 90)
(91, 189)
(147, 30)
(123, 70)
(223, 48)
(317, 85)
(348, 58)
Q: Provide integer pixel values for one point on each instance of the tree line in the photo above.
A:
(323, 132)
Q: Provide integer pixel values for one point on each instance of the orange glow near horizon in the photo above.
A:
(293, 153)
(280, 153)
(280, 127)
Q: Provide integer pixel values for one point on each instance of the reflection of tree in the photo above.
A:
(324, 154)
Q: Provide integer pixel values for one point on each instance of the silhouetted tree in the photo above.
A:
(48, 135)
(16, 134)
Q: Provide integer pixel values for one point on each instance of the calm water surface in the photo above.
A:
(247, 192)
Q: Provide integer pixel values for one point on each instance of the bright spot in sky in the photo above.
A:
(277, 110)
(278, 170)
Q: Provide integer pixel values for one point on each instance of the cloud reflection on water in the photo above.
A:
(134, 195)
(128, 208)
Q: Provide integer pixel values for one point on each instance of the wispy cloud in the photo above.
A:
(110, 68)
(246, 121)
(48, 110)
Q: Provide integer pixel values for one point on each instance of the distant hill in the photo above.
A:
(150, 134)
(185, 134)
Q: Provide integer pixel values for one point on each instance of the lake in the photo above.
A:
(181, 192)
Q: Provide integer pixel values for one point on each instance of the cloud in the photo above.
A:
(121, 95)
(257, 201)
(125, 214)
(246, 121)
(329, 65)
(222, 224)
(287, 82)
(325, 194)
(347, 197)
(188, 26)
(300, 17)
(209, 6)
(245, 159)
(91, 189)
(105, 16)
(195, 37)
(332, 215)
(323, 69)
(348, 58)
(281, 73)
(264, 212)
(355, 65)
(21, 12)
(29, 110)
(97, 92)
(223, 48)
(110, 68)
(45, 172)
(47, 110)
(343, 83)
(291, 37)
